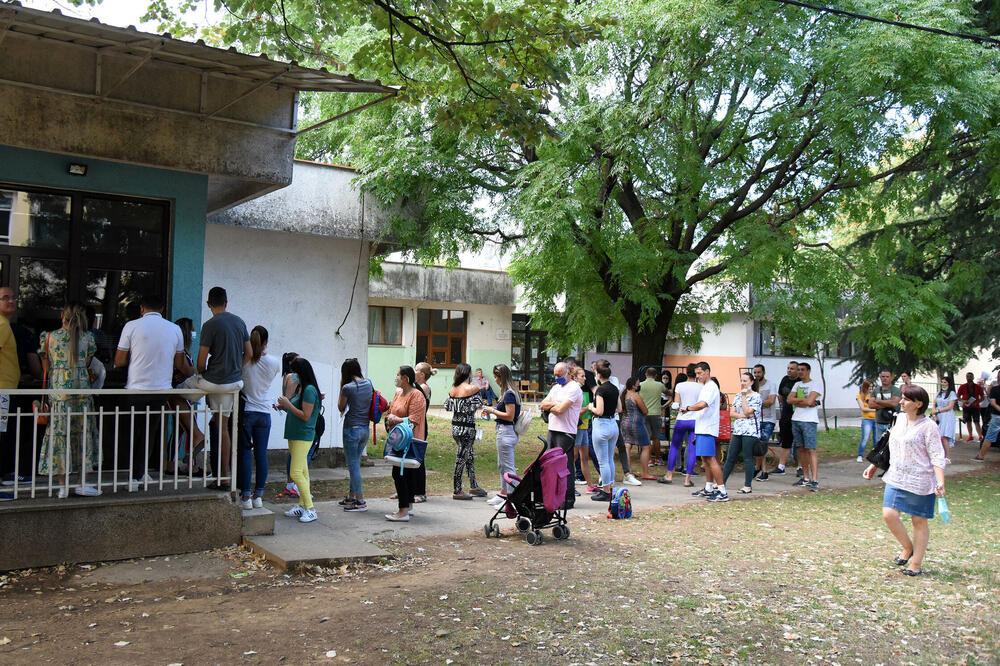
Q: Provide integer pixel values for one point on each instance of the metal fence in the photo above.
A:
(115, 440)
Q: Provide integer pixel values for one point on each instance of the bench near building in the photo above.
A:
(115, 146)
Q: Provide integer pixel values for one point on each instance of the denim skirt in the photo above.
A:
(921, 506)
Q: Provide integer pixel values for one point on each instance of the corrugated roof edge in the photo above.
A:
(199, 44)
(327, 164)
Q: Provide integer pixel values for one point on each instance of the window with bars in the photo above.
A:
(385, 325)
(441, 337)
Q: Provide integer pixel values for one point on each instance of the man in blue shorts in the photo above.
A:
(805, 397)
(706, 431)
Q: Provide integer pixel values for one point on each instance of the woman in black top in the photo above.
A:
(463, 401)
(605, 430)
(507, 411)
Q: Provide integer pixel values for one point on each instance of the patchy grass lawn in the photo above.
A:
(802, 579)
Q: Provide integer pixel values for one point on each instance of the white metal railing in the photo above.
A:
(117, 437)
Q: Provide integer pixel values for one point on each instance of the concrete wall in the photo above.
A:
(63, 112)
(322, 200)
(185, 191)
(298, 286)
(115, 527)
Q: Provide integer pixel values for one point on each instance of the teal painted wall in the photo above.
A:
(384, 361)
(186, 191)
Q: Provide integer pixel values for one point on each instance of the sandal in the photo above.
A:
(911, 572)
(688, 484)
(663, 479)
(417, 499)
(646, 477)
(745, 491)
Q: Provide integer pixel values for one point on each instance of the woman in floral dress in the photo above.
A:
(65, 354)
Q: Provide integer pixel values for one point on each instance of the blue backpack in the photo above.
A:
(402, 449)
(621, 504)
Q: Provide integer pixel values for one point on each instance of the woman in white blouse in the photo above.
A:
(915, 476)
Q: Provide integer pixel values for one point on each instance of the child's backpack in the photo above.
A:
(621, 504)
(378, 407)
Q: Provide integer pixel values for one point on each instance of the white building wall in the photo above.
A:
(728, 340)
(297, 286)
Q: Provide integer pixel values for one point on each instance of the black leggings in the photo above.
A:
(465, 461)
(405, 483)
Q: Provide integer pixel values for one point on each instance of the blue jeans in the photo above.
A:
(355, 443)
(880, 428)
(867, 430)
(255, 428)
(605, 438)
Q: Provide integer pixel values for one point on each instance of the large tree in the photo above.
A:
(645, 172)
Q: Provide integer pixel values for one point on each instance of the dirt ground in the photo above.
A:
(803, 579)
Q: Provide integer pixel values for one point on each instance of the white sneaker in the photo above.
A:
(860, 459)
(630, 480)
(136, 484)
(62, 494)
(246, 504)
(497, 500)
(295, 512)
(87, 491)
(308, 515)
(258, 502)
(581, 482)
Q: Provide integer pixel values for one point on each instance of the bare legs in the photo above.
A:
(914, 548)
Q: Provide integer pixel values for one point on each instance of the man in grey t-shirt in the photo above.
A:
(222, 352)
(885, 399)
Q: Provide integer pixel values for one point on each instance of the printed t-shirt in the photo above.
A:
(225, 335)
(885, 414)
(295, 428)
(706, 421)
(566, 422)
(609, 393)
(802, 390)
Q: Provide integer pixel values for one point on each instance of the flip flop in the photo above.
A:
(741, 491)
(689, 485)
(648, 478)
(663, 479)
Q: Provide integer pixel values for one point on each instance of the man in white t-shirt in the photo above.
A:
(563, 403)
(769, 414)
(805, 396)
(152, 347)
(706, 432)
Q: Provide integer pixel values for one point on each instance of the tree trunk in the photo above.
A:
(648, 344)
(822, 378)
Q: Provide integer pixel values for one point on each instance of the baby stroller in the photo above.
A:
(536, 503)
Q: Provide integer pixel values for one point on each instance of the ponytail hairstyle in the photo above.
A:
(75, 319)
(426, 370)
(187, 328)
(286, 362)
(258, 338)
(502, 374)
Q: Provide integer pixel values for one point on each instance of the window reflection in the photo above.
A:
(32, 219)
(122, 227)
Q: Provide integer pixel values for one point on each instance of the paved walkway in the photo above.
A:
(338, 536)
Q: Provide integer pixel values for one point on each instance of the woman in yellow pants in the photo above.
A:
(302, 411)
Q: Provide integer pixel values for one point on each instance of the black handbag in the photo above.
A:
(879, 455)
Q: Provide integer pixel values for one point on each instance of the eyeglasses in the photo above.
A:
(6, 298)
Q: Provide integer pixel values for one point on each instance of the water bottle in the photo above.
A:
(943, 510)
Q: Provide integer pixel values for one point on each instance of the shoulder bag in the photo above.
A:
(41, 407)
(879, 455)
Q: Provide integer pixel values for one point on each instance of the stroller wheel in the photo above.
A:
(533, 538)
(560, 532)
(523, 524)
(496, 531)
(487, 531)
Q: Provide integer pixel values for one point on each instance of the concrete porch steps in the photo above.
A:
(257, 522)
